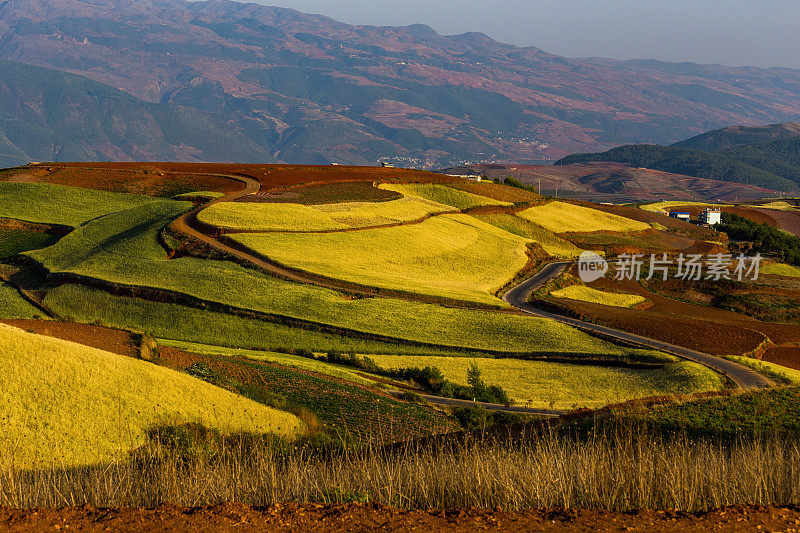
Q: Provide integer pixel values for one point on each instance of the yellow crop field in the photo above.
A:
(769, 369)
(588, 294)
(550, 242)
(453, 256)
(442, 194)
(561, 217)
(664, 207)
(326, 217)
(565, 386)
(66, 404)
(780, 269)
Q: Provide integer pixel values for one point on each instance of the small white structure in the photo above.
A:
(711, 217)
(470, 177)
(387, 165)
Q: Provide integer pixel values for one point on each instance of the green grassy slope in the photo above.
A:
(56, 204)
(67, 404)
(711, 165)
(14, 241)
(12, 305)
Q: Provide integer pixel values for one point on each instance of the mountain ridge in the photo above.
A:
(307, 88)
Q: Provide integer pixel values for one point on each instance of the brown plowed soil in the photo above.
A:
(788, 356)
(717, 331)
(369, 517)
(167, 179)
(110, 340)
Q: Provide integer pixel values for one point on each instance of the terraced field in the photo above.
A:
(65, 404)
(443, 194)
(35, 202)
(16, 241)
(452, 256)
(290, 217)
(780, 269)
(566, 386)
(124, 249)
(561, 217)
(496, 191)
(349, 410)
(588, 294)
(12, 305)
(550, 242)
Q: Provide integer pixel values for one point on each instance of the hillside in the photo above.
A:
(63, 403)
(709, 165)
(307, 89)
(53, 116)
(736, 136)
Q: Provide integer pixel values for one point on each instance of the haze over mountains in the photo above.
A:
(221, 80)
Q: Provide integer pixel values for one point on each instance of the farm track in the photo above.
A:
(453, 402)
(742, 376)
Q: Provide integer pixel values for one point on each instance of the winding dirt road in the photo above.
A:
(743, 376)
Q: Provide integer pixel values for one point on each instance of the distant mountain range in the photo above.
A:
(766, 156)
(221, 80)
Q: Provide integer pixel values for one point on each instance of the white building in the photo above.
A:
(711, 217)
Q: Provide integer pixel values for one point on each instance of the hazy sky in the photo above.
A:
(763, 33)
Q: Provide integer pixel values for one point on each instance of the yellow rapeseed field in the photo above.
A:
(565, 386)
(780, 269)
(665, 206)
(63, 403)
(454, 256)
(325, 217)
(561, 217)
(588, 294)
(442, 194)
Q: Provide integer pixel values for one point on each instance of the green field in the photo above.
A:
(451, 256)
(765, 412)
(66, 404)
(56, 204)
(550, 242)
(12, 305)
(16, 241)
(561, 217)
(442, 194)
(567, 386)
(588, 294)
(124, 249)
(250, 216)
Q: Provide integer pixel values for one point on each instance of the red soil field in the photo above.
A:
(788, 356)
(718, 332)
(371, 517)
(111, 340)
(167, 179)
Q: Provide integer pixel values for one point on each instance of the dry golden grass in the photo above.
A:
(67, 404)
(666, 206)
(588, 294)
(561, 217)
(620, 469)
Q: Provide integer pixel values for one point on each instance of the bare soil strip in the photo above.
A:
(371, 517)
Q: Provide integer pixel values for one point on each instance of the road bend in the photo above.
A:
(518, 297)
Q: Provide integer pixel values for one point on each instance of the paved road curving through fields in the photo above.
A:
(518, 296)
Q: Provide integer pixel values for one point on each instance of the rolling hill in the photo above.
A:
(221, 80)
(764, 156)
